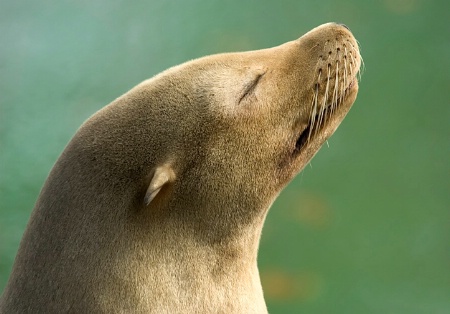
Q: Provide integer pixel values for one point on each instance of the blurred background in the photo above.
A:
(365, 228)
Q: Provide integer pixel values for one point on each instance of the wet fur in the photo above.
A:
(229, 130)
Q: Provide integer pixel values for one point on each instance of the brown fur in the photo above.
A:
(157, 203)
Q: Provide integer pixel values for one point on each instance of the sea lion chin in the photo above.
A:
(157, 203)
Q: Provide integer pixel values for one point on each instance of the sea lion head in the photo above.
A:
(253, 120)
(213, 141)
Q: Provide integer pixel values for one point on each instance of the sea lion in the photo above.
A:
(157, 203)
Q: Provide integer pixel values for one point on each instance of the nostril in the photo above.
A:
(344, 26)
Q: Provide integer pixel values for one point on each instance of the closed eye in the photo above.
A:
(250, 87)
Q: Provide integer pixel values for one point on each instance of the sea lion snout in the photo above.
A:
(328, 62)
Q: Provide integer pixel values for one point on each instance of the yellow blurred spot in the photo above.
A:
(232, 42)
(311, 210)
(402, 6)
(279, 285)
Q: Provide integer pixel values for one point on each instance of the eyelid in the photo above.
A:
(251, 86)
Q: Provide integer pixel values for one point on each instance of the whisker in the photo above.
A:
(334, 94)
(343, 86)
(324, 104)
(345, 74)
(352, 62)
(328, 83)
(362, 66)
(313, 111)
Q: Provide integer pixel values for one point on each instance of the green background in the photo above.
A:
(364, 229)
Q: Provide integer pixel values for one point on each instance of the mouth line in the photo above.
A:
(325, 116)
(302, 139)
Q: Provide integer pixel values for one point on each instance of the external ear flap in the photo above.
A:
(162, 176)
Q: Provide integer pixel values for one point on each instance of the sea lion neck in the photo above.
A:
(221, 250)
